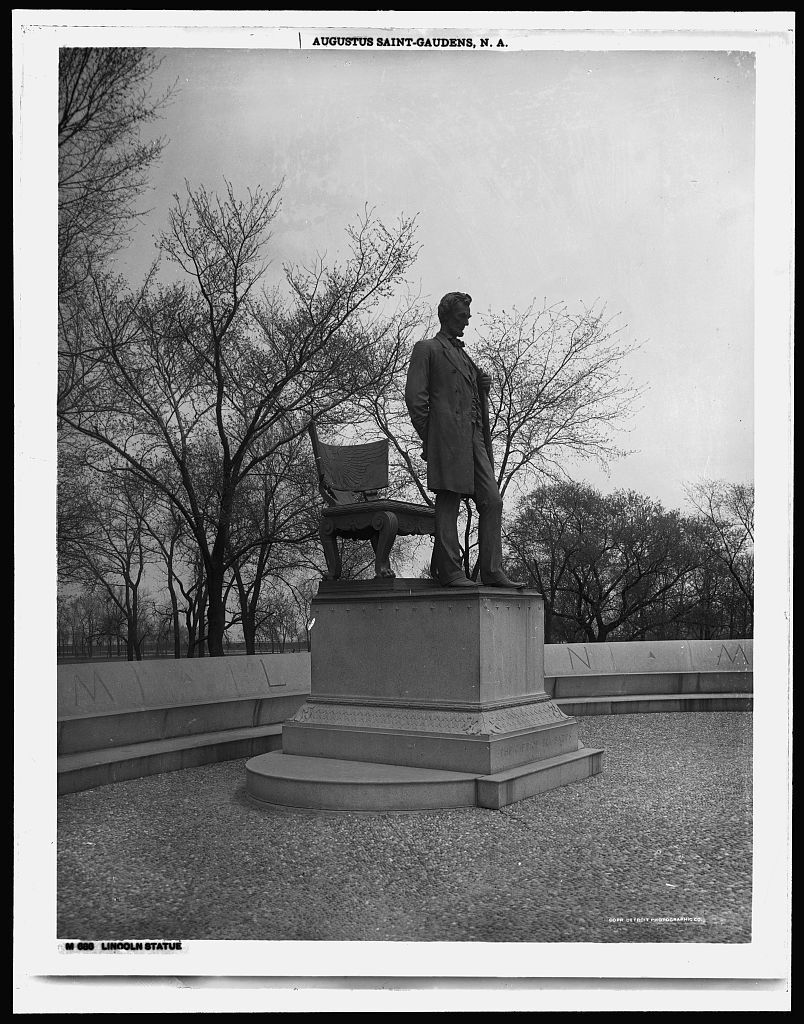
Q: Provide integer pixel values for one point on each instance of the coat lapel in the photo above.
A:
(451, 353)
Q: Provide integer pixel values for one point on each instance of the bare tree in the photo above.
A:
(720, 608)
(280, 620)
(726, 511)
(65, 626)
(164, 630)
(81, 620)
(609, 566)
(88, 615)
(543, 540)
(74, 503)
(169, 533)
(104, 102)
(560, 391)
(194, 387)
(193, 589)
(274, 526)
(111, 555)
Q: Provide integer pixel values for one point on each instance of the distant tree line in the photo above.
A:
(187, 492)
(90, 625)
(610, 567)
(622, 567)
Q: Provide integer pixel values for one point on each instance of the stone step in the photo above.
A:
(495, 791)
(321, 783)
(640, 704)
(90, 768)
(324, 783)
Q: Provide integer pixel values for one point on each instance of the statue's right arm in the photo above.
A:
(417, 389)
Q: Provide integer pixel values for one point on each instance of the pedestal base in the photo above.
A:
(481, 741)
(423, 697)
(328, 784)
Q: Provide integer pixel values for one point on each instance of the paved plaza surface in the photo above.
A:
(664, 832)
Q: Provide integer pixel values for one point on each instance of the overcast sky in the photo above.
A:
(620, 176)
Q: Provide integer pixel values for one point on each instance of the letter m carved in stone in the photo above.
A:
(92, 693)
(733, 657)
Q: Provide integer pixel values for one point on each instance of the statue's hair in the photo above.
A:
(448, 303)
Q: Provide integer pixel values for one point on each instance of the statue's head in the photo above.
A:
(453, 312)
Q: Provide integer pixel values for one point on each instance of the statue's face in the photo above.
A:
(458, 318)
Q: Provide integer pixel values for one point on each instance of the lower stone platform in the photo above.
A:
(322, 783)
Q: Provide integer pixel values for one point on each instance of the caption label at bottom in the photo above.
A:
(135, 946)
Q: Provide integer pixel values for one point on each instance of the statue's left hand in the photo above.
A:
(484, 381)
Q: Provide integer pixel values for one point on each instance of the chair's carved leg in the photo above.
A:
(326, 531)
(386, 524)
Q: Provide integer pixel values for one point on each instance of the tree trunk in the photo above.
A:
(174, 610)
(249, 630)
(214, 566)
(216, 610)
(203, 628)
(548, 623)
(188, 618)
(135, 625)
(248, 613)
(602, 633)
(129, 632)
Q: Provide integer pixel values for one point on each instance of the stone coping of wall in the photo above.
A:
(198, 702)
(647, 657)
(111, 687)
(102, 688)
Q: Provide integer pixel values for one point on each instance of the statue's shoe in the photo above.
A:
(499, 579)
(461, 581)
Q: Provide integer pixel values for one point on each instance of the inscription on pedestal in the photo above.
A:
(430, 720)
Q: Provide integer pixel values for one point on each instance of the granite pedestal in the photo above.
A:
(423, 696)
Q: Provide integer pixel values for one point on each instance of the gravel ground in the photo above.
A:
(664, 831)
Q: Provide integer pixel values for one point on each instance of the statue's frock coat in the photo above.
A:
(439, 399)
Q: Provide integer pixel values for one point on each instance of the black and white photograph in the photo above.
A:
(392, 393)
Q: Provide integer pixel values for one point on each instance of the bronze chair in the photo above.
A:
(349, 479)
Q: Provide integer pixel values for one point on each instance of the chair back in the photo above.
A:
(346, 472)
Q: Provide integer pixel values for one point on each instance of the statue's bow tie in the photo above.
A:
(457, 342)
